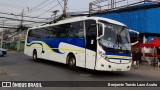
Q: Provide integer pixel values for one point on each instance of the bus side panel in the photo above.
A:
(26, 51)
(39, 46)
(90, 59)
(79, 53)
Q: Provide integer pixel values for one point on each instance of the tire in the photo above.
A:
(35, 56)
(72, 62)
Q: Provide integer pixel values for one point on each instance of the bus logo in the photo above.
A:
(6, 84)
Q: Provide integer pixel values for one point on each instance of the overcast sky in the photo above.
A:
(36, 7)
(39, 8)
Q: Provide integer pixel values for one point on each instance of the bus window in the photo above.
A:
(76, 29)
(91, 34)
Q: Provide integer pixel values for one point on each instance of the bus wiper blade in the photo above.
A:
(119, 39)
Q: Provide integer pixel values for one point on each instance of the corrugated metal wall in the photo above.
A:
(142, 20)
(153, 20)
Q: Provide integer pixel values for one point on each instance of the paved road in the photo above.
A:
(18, 67)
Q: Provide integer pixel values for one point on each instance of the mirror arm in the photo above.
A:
(102, 31)
(137, 36)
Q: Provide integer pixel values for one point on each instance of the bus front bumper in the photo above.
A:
(103, 65)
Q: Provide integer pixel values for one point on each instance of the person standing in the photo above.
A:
(138, 57)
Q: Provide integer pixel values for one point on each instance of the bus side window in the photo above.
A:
(33, 35)
(76, 29)
(62, 31)
(55, 31)
(29, 34)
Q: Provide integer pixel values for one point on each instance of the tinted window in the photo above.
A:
(39, 33)
(63, 30)
(76, 29)
(91, 34)
(60, 31)
(91, 28)
(33, 35)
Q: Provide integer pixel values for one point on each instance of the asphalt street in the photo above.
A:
(18, 67)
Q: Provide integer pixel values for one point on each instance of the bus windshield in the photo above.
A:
(115, 37)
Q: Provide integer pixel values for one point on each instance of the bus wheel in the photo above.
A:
(35, 56)
(72, 62)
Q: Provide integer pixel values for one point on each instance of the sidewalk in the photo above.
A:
(146, 67)
(11, 51)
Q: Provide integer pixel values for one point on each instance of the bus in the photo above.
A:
(94, 43)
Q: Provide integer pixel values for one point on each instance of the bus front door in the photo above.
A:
(91, 43)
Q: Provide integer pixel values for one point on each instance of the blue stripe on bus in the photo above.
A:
(118, 59)
(118, 54)
(54, 42)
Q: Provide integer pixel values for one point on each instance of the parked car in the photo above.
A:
(3, 52)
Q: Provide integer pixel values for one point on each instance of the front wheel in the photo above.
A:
(72, 63)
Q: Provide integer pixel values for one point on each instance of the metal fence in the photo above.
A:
(109, 5)
(13, 46)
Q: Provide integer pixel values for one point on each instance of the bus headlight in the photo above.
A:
(104, 56)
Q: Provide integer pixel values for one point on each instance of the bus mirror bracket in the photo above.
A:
(137, 36)
(102, 31)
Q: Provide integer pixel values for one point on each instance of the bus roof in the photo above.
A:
(81, 18)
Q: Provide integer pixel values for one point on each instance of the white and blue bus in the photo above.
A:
(89, 42)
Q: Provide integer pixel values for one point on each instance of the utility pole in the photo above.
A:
(2, 36)
(19, 37)
(112, 4)
(65, 8)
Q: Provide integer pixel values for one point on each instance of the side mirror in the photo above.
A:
(101, 28)
(134, 35)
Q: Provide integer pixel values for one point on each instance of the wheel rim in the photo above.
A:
(72, 62)
(34, 56)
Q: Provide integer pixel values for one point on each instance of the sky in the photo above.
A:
(38, 8)
(35, 8)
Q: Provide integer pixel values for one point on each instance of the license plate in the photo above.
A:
(118, 69)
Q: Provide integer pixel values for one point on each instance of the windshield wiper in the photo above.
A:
(119, 39)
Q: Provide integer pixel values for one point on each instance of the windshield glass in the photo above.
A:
(115, 36)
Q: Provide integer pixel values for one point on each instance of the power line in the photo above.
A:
(20, 15)
(43, 2)
(20, 20)
(59, 4)
(44, 6)
(9, 27)
(49, 9)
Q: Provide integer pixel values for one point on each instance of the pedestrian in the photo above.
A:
(137, 57)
